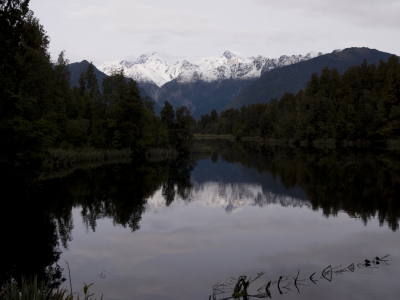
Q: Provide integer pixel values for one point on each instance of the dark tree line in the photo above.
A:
(361, 104)
(39, 110)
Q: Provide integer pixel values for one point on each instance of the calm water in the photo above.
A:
(174, 230)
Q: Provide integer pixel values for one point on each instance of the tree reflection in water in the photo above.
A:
(38, 220)
(30, 234)
(362, 183)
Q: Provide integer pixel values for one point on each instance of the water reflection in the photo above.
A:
(232, 196)
(119, 192)
(178, 198)
(364, 184)
(30, 234)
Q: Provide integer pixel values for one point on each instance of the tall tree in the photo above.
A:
(82, 82)
(168, 120)
(25, 131)
(184, 120)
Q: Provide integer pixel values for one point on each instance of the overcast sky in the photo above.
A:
(100, 30)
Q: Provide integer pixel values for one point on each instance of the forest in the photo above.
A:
(360, 104)
(40, 111)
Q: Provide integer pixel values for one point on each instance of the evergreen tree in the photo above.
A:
(62, 74)
(168, 120)
(82, 82)
(183, 123)
(26, 90)
(63, 95)
(91, 81)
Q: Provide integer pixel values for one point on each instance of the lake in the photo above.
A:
(176, 229)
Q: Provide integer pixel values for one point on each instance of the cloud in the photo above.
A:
(364, 13)
(104, 30)
(219, 27)
(131, 57)
(168, 57)
(136, 17)
(156, 39)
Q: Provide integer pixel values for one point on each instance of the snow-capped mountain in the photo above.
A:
(150, 68)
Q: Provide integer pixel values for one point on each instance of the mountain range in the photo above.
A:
(230, 80)
(152, 69)
(208, 84)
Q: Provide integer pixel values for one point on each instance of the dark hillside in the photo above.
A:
(293, 78)
(227, 90)
(77, 68)
(202, 96)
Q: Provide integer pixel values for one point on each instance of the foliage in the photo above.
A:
(39, 110)
(32, 290)
(26, 87)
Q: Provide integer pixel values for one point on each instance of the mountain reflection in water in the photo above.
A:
(230, 197)
(170, 230)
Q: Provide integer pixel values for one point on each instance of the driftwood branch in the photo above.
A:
(240, 287)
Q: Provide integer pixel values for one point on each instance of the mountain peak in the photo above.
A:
(142, 59)
(148, 56)
(229, 54)
(126, 63)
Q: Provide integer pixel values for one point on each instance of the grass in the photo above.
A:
(66, 170)
(74, 156)
(201, 148)
(213, 136)
(33, 290)
(62, 162)
(252, 139)
(281, 142)
(324, 143)
(160, 154)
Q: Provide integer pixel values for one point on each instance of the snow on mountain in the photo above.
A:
(150, 68)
